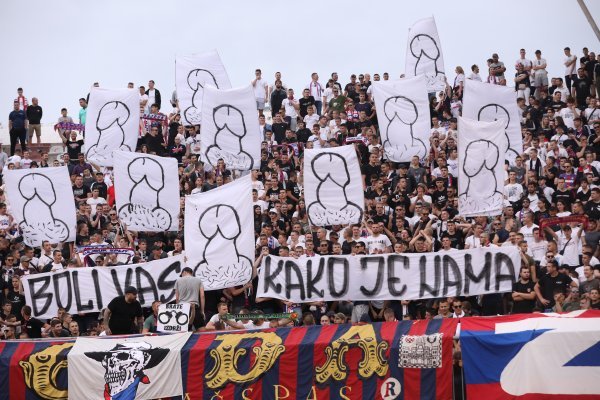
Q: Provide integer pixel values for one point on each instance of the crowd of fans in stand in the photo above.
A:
(410, 207)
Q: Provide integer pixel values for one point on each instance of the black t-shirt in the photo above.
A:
(33, 328)
(457, 239)
(279, 129)
(368, 170)
(81, 192)
(523, 306)
(18, 301)
(592, 209)
(74, 148)
(440, 197)
(102, 189)
(548, 284)
(304, 103)
(123, 315)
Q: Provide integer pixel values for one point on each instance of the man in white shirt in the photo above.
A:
(261, 87)
(527, 64)
(219, 319)
(474, 73)
(316, 91)
(310, 118)
(378, 242)
(540, 77)
(513, 191)
(570, 64)
(474, 241)
(292, 107)
(528, 228)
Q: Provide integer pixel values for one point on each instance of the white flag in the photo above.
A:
(486, 102)
(403, 116)
(138, 367)
(219, 233)
(192, 73)
(112, 123)
(480, 167)
(424, 54)
(230, 129)
(333, 186)
(42, 203)
(147, 191)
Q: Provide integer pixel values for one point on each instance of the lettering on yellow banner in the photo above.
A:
(41, 371)
(372, 362)
(227, 354)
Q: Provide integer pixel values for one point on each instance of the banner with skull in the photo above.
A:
(138, 367)
(230, 129)
(193, 73)
(112, 123)
(481, 151)
(403, 116)
(485, 102)
(42, 204)
(333, 186)
(220, 224)
(424, 54)
(147, 191)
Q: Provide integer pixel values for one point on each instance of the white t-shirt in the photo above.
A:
(568, 116)
(194, 143)
(290, 111)
(215, 319)
(524, 62)
(472, 242)
(310, 120)
(513, 191)
(570, 70)
(539, 63)
(528, 233)
(260, 89)
(474, 77)
(381, 242)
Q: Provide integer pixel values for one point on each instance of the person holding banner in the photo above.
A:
(189, 289)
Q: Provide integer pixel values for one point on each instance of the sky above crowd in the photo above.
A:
(56, 49)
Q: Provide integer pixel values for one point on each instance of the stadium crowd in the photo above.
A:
(410, 207)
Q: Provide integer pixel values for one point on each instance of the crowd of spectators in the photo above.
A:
(410, 207)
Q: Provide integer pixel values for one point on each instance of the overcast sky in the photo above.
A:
(56, 49)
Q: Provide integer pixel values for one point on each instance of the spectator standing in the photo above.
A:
(34, 115)
(123, 316)
(17, 126)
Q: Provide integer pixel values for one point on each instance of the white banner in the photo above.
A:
(173, 317)
(219, 231)
(480, 167)
(147, 191)
(138, 367)
(424, 54)
(403, 116)
(91, 289)
(230, 128)
(112, 123)
(333, 186)
(41, 201)
(390, 276)
(192, 73)
(486, 102)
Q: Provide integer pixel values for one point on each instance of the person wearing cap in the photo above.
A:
(189, 289)
(124, 316)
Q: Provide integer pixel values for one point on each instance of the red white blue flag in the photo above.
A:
(532, 356)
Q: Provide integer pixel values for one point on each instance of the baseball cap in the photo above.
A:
(131, 289)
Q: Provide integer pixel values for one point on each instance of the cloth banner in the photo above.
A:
(69, 126)
(147, 191)
(532, 356)
(220, 225)
(403, 116)
(173, 317)
(553, 221)
(391, 360)
(480, 167)
(34, 369)
(41, 202)
(230, 128)
(88, 251)
(485, 102)
(91, 289)
(390, 276)
(126, 368)
(112, 123)
(424, 54)
(333, 186)
(192, 73)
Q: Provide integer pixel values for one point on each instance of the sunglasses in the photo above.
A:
(457, 306)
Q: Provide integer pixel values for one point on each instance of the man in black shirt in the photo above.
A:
(550, 283)
(305, 101)
(279, 127)
(31, 326)
(34, 115)
(523, 292)
(123, 316)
